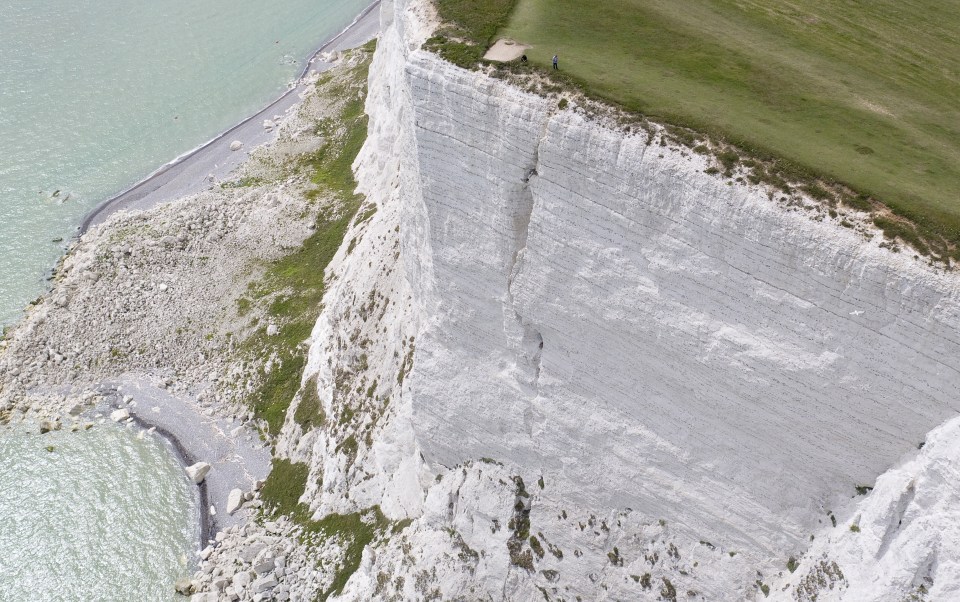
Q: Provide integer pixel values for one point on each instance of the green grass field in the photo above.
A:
(865, 94)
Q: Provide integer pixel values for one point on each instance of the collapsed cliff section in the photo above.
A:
(899, 542)
(587, 365)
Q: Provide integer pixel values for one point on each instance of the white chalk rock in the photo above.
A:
(264, 567)
(197, 472)
(234, 500)
(236, 145)
(272, 330)
(241, 581)
(264, 583)
(268, 124)
(119, 415)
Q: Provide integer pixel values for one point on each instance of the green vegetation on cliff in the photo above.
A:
(351, 532)
(293, 287)
(854, 94)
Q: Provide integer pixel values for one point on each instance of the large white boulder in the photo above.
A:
(198, 472)
(234, 500)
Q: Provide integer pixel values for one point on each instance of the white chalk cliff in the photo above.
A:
(586, 368)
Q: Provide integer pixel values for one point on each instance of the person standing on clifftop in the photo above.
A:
(556, 62)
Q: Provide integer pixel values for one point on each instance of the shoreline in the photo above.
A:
(155, 297)
(171, 180)
(133, 197)
(185, 458)
(236, 460)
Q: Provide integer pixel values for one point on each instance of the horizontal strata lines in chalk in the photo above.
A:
(694, 333)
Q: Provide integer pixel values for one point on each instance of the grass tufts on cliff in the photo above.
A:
(293, 287)
(855, 101)
(351, 532)
(309, 413)
(470, 29)
(284, 485)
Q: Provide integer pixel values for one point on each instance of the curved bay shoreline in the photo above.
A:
(175, 399)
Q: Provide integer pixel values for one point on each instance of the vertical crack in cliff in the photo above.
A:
(531, 344)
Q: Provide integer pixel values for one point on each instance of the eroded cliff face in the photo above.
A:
(598, 371)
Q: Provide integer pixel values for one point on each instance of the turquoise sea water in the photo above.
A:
(96, 94)
(93, 515)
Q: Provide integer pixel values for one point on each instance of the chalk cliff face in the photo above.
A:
(607, 373)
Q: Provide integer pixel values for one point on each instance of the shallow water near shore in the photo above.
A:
(102, 515)
(95, 95)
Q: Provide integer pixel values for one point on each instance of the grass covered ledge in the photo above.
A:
(854, 101)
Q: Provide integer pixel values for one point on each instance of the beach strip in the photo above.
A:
(213, 161)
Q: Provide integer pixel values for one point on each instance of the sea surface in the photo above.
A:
(93, 515)
(94, 96)
(97, 94)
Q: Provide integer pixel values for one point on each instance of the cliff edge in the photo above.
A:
(598, 371)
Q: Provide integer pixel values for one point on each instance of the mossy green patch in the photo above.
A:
(309, 412)
(284, 485)
(292, 288)
(470, 29)
(353, 532)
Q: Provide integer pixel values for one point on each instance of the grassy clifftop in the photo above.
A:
(858, 93)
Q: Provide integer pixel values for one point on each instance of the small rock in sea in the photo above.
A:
(119, 415)
(76, 410)
(236, 145)
(197, 472)
(183, 586)
(234, 499)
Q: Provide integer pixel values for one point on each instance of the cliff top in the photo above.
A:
(855, 95)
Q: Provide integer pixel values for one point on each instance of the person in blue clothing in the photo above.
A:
(556, 62)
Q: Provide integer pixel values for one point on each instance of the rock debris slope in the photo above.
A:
(609, 374)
